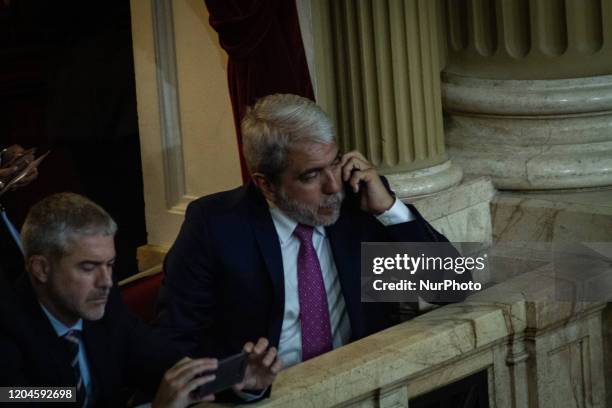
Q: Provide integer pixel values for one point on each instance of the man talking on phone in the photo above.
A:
(280, 257)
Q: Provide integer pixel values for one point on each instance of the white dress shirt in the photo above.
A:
(290, 344)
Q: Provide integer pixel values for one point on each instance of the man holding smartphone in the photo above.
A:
(280, 257)
(64, 324)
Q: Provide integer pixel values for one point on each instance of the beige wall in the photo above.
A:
(210, 149)
(186, 127)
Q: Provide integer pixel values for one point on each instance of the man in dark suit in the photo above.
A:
(280, 257)
(65, 325)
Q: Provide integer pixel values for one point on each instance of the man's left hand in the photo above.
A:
(364, 179)
(262, 367)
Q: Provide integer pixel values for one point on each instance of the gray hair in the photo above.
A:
(276, 122)
(54, 222)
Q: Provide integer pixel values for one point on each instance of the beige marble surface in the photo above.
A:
(150, 256)
(470, 192)
(583, 216)
(391, 356)
(514, 329)
(462, 213)
(506, 260)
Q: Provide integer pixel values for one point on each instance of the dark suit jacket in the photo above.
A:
(10, 255)
(224, 274)
(121, 351)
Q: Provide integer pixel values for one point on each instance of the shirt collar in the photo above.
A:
(285, 225)
(60, 328)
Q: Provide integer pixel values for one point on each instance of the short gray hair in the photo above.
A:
(274, 123)
(54, 222)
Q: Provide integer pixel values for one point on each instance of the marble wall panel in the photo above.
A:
(462, 213)
(567, 369)
(579, 217)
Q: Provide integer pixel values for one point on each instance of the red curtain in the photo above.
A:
(263, 41)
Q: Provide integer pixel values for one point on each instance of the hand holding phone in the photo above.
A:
(230, 371)
(178, 383)
(13, 160)
(262, 368)
(24, 169)
(255, 368)
(363, 179)
(14, 152)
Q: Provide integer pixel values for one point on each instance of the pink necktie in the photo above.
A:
(314, 313)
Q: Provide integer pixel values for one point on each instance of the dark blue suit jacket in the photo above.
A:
(224, 274)
(122, 352)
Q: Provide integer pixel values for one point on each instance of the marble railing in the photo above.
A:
(537, 351)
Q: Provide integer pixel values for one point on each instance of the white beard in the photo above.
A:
(309, 216)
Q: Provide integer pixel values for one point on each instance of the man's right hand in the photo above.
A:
(9, 168)
(7, 173)
(175, 390)
(363, 178)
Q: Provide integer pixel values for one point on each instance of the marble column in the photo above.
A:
(527, 91)
(378, 75)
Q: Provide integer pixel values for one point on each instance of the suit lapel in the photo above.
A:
(55, 352)
(269, 245)
(344, 239)
(99, 352)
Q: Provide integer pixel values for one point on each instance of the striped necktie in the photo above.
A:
(73, 339)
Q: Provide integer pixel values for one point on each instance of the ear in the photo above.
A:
(39, 267)
(267, 188)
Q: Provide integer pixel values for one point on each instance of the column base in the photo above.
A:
(531, 135)
(425, 181)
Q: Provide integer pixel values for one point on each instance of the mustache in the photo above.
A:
(333, 200)
(99, 295)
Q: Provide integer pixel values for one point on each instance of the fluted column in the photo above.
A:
(378, 76)
(529, 39)
(527, 89)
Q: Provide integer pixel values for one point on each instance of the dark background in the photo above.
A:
(67, 84)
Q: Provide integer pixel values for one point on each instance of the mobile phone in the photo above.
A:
(230, 371)
(348, 187)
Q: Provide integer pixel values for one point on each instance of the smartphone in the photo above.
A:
(230, 371)
(351, 197)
